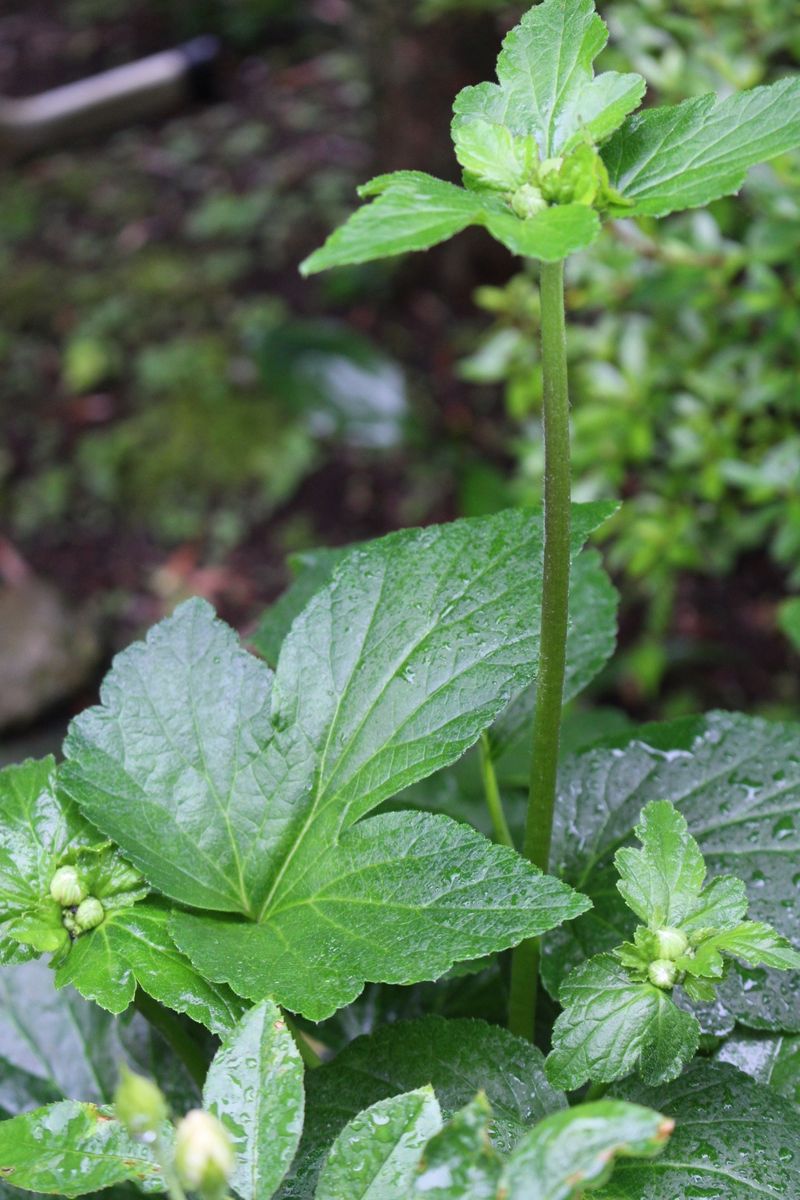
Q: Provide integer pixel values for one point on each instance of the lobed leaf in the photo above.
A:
(239, 795)
(546, 82)
(255, 1087)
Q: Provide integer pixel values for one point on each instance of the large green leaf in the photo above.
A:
(546, 80)
(734, 1139)
(255, 1087)
(574, 1150)
(612, 1025)
(737, 781)
(413, 211)
(69, 1149)
(229, 802)
(771, 1058)
(667, 159)
(458, 1058)
(133, 947)
(400, 898)
(375, 1156)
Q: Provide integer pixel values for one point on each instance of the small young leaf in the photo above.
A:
(133, 946)
(37, 830)
(734, 1139)
(672, 158)
(737, 781)
(612, 1024)
(753, 941)
(69, 1149)
(375, 1156)
(460, 1163)
(492, 154)
(662, 881)
(574, 1150)
(412, 211)
(546, 80)
(254, 1087)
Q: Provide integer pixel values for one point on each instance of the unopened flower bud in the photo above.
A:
(139, 1104)
(67, 888)
(663, 973)
(549, 177)
(89, 914)
(527, 201)
(203, 1155)
(671, 943)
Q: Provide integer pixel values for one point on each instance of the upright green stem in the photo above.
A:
(553, 638)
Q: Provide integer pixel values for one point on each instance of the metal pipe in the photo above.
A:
(137, 91)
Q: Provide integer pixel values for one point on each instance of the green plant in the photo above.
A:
(205, 852)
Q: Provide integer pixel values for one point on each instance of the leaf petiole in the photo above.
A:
(494, 801)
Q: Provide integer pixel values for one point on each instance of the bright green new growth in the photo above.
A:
(618, 1010)
(551, 148)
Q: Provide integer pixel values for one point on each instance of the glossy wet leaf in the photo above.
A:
(255, 1087)
(133, 947)
(737, 781)
(771, 1058)
(613, 1025)
(686, 155)
(375, 1156)
(571, 1151)
(70, 1149)
(460, 1163)
(458, 1058)
(546, 79)
(662, 881)
(234, 794)
(400, 897)
(734, 1139)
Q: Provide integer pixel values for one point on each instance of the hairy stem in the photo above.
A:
(494, 802)
(173, 1032)
(553, 638)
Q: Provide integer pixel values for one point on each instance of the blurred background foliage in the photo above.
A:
(181, 411)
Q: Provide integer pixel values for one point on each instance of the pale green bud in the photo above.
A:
(67, 888)
(548, 177)
(139, 1103)
(663, 973)
(671, 943)
(89, 914)
(203, 1155)
(527, 201)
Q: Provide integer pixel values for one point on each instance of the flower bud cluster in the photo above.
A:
(577, 177)
(671, 944)
(80, 911)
